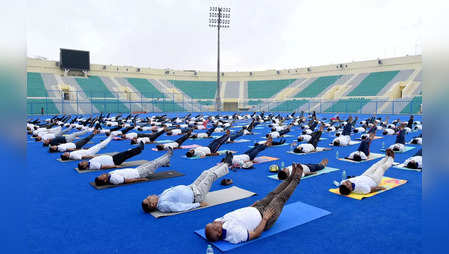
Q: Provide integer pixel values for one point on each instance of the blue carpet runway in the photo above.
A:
(67, 215)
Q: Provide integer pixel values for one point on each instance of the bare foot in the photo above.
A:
(324, 162)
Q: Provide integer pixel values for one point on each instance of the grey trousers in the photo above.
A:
(71, 137)
(203, 183)
(148, 168)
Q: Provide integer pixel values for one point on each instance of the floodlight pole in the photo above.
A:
(219, 17)
(218, 99)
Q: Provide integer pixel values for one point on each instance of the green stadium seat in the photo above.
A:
(317, 86)
(352, 105)
(413, 106)
(373, 83)
(34, 106)
(196, 89)
(35, 85)
(267, 88)
(289, 105)
(145, 88)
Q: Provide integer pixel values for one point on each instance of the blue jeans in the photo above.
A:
(252, 153)
(216, 143)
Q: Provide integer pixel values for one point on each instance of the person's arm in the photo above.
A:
(168, 206)
(86, 157)
(108, 167)
(309, 173)
(212, 154)
(377, 188)
(135, 180)
(259, 229)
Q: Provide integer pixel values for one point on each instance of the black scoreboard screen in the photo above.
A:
(74, 59)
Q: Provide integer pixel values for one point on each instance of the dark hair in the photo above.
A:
(133, 141)
(412, 164)
(51, 150)
(396, 148)
(363, 137)
(44, 144)
(160, 147)
(357, 157)
(145, 207)
(297, 150)
(282, 175)
(385, 133)
(99, 182)
(190, 153)
(336, 143)
(64, 158)
(344, 190)
(80, 167)
(267, 135)
(414, 141)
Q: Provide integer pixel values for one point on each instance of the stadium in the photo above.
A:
(315, 116)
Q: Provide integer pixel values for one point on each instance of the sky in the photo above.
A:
(263, 35)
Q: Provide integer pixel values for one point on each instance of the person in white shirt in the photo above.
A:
(414, 162)
(211, 149)
(312, 144)
(110, 161)
(176, 144)
(369, 181)
(84, 154)
(130, 175)
(186, 197)
(307, 169)
(72, 146)
(248, 223)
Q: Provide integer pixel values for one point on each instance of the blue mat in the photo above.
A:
(292, 215)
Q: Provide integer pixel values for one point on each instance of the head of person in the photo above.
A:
(65, 156)
(123, 136)
(160, 147)
(46, 142)
(53, 149)
(268, 135)
(228, 132)
(190, 153)
(300, 138)
(38, 139)
(149, 204)
(357, 157)
(412, 165)
(102, 179)
(298, 150)
(336, 142)
(83, 165)
(213, 231)
(133, 141)
(396, 149)
(385, 132)
(414, 141)
(283, 174)
(345, 188)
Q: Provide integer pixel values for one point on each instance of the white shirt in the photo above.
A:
(145, 140)
(131, 135)
(202, 135)
(66, 146)
(401, 147)
(171, 144)
(308, 131)
(99, 161)
(116, 133)
(363, 184)
(360, 129)
(239, 223)
(48, 136)
(417, 159)
(306, 137)
(305, 170)
(389, 131)
(176, 132)
(79, 154)
(238, 160)
(118, 176)
(201, 151)
(307, 148)
(218, 129)
(344, 140)
(274, 134)
(360, 153)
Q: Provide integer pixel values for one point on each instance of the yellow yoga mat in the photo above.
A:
(387, 182)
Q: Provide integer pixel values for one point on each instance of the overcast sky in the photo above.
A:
(264, 34)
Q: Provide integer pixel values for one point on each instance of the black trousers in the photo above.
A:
(80, 143)
(123, 156)
(182, 139)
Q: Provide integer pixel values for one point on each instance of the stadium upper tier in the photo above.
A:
(367, 86)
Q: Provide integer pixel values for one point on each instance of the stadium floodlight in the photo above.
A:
(219, 17)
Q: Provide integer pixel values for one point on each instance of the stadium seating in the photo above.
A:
(318, 86)
(352, 105)
(100, 96)
(196, 89)
(145, 88)
(373, 83)
(267, 88)
(414, 106)
(36, 88)
(289, 105)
